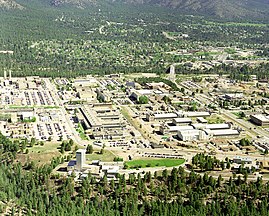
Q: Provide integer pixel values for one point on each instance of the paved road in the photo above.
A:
(250, 128)
(71, 128)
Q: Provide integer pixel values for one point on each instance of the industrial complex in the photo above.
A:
(130, 119)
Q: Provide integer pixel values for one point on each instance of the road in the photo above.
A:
(249, 127)
(71, 128)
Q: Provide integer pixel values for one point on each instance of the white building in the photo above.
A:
(240, 160)
(166, 129)
(196, 114)
(190, 135)
(211, 126)
(80, 159)
(178, 121)
(223, 132)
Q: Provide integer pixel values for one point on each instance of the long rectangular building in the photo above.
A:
(260, 119)
(211, 126)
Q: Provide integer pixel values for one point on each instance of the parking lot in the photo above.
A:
(49, 126)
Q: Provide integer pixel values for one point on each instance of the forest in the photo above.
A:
(63, 41)
(238, 73)
(37, 190)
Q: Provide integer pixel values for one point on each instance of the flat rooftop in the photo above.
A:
(180, 128)
(182, 120)
(261, 117)
(165, 115)
(228, 132)
(211, 126)
(197, 114)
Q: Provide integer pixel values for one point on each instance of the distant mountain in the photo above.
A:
(78, 3)
(228, 9)
(218, 8)
(10, 4)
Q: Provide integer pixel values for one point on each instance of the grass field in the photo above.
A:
(108, 156)
(154, 163)
(40, 154)
(81, 131)
(214, 120)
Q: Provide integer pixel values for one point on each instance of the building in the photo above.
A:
(233, 96)
(71, 165)
(223, 132)
(80, 159)
(190, 135)
(196, 114)
(103, 95)
(202, 120)
(240, 160)
(211, 126)
(27, 115)
(111, 171)
(143, 92)
(179, 121)
(160, 116)
(103, 122)
(86, 93)
(166, 129)
(89, 82)
(260, 119)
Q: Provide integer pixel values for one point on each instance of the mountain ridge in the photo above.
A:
(10, 4)
(218, 8)
(227, 9)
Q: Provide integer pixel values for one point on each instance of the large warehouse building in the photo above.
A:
(260, 119)
(190, 135)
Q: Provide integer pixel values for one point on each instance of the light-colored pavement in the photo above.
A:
(71, 128)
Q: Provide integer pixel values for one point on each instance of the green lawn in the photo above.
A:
(108, 156)
(47, 147)
(237, 114)
(214, 120)
(40, 154)
(154, 163)
(81, 131)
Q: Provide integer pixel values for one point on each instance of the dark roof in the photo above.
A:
(71, 163)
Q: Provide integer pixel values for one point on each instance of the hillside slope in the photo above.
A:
(227, 9)
(10, 4)
(218, 8)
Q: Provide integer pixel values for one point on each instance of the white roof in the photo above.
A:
(110, 169)
(189, 132)
(180, 128)
(217, 126)
(182, 120)
(91, 80)
(242, 158)
(145, 91)
(235, 95)
(211, 126)
(81, 151)
(27, 114)
(197, 114)
(158, 92)
(224, 132)
(165, 115)
(261, 117)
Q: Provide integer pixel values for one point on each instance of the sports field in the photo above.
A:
(154, 163)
